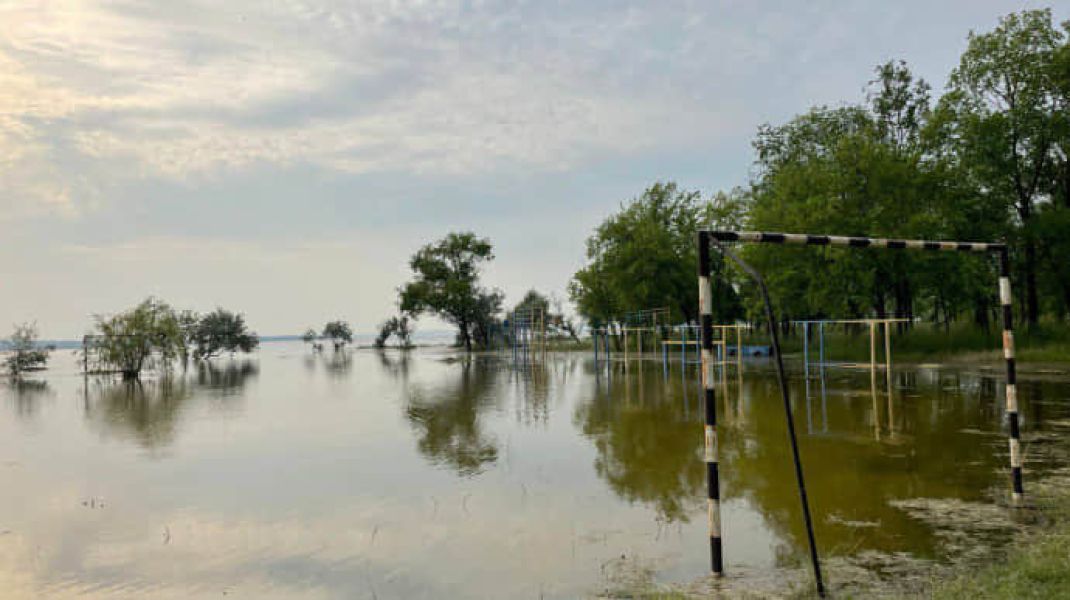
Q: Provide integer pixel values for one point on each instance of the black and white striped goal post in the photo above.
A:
(798, 239)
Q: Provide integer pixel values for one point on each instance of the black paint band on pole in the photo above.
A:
(713, 484)
(782, 380)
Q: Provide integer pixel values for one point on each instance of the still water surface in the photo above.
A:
(378, 475)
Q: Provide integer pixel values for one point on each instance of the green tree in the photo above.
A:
(398, 326)
(446, 284)
(533, 301)
(222, 331)
(339, 333)
(309, 336)
(24, 353)
(386, 329)
(644, 256)
(1006, 113)
(875, 169)
(188, 322)
(128, 341)
(403, 330)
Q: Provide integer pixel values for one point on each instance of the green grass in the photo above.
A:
(1037, 565)
(1039, 569)
(1045, 343)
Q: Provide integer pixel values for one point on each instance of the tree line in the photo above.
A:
(985, 161)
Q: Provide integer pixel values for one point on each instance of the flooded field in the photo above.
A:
(379, 475)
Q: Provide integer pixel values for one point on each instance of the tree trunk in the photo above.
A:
(980, 312)
(1032, 303)
(466, 336)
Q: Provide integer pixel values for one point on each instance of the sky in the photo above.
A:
(285, 158)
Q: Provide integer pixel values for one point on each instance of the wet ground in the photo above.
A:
(380, 475)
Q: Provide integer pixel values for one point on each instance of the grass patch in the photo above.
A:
(1044, 343)
(1040, 569)
(1037, 565)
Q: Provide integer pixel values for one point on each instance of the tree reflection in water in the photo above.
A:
(645, 435)
(395, 363)
(230, 377)
(864, 450)
(149, 412)
(447, 420)
(26, 396)
(337, 363)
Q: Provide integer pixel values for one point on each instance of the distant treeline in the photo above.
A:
(985, 161)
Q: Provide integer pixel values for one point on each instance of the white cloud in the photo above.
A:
(188, 90)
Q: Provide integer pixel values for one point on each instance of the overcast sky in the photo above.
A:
(285, 158)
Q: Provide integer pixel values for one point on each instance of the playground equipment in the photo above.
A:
(527, 329)
(871, 324)
(652, 321)
(687, 340)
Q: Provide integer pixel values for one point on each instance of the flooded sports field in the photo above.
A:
(369, 474)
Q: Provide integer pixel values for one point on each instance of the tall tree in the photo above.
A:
(446, 284)
(1006, 112)
(644, 256)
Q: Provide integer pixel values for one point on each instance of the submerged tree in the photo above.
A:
(222, 331)
(339, 333)
(25, 354)
(399, 326)
(446, 284)
(127, 341)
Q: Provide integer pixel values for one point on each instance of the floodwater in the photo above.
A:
(380, 475)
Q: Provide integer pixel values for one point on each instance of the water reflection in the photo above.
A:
(929, 436)
(395, 363)
(145, 412)
(26, 395)
(447, 418)
(149, 412)
(424, 474)
(227, 378)
(533, 382)
(337, 363)
(646, 442)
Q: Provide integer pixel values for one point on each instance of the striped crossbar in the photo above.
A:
(801, 239)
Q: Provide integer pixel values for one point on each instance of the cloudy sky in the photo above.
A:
(284, 158)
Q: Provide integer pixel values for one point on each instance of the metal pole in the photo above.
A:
(888, 351)
(713, 486)
(1015, 441)
(821, 343)
(683, 346)
(873, 352)
(782, 380)
(739, 347)
(806, 350)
